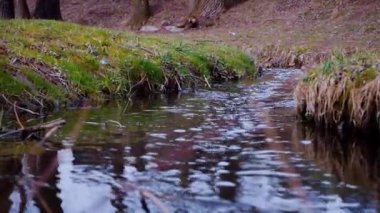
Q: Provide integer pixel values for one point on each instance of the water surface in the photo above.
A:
(238, 148)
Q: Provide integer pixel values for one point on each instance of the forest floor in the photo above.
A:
(283, 27)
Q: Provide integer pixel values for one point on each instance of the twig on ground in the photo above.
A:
(49, 134)
(37, 128)
(208, 84)
(115, 122)
(20, 108)
(17, 117)
(35, 99)
(135, 85)
(178, 84)
(1, 117)
(93, 123)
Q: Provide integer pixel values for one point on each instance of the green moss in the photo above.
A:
(96, 61)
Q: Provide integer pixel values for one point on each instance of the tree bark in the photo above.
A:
(21, 9)
(6, 9)
(48, 9)
(203, 13)
(140, 14)
(207, 8)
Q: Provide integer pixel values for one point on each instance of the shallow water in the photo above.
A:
(236, 149)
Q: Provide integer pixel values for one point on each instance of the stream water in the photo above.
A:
(238, 148)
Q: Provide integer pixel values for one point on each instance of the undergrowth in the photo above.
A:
(52, 60)
(343, 90)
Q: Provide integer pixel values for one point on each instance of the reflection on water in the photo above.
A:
(236, 149)
(354, 161)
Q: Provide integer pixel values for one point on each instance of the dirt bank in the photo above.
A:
(275, 32)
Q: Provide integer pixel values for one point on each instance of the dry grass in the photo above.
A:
(324, 100)
(273, 56)
(365, 103)
(343, 90)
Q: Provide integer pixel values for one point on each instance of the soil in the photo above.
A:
(302, 25)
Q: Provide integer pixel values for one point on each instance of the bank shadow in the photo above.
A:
(351, 158)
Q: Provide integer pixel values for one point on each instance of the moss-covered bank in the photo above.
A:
(344, 90)
(56, 61)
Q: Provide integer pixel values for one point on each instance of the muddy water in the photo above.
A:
(236, 149)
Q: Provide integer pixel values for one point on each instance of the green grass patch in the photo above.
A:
(360, 67)
(98, 63)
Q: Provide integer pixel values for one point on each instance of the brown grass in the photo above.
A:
(365, 105)
(342, 91)
(324, 101)
(272, 56)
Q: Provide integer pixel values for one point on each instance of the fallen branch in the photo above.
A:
(26, 132)
(49, 134)
(1, 117)
(106, 123)
(18, 107)
(208, 84)
(115, 122)
(17, 117)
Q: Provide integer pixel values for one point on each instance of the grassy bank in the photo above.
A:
(344, 90)
(56, 61)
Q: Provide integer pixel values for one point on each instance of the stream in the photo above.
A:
(237, 148)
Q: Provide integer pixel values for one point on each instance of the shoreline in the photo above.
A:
(54, 62)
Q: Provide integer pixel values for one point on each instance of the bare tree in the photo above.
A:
(48, 9)
(6, 9)
(21, 9)
(140, 14)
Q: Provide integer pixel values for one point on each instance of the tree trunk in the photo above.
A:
(6, 9)
(21, 9)
(48, 9)
(203, 13)
(140, 14)
(207, 8)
